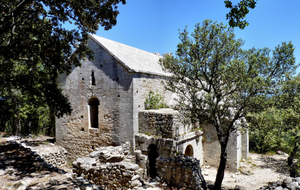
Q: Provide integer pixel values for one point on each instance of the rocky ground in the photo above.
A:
(22, 168)
(255, 172)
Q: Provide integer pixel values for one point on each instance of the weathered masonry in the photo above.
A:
(107, 96)
(162, 134)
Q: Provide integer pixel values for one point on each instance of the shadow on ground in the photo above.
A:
(278, 165)
(19, 163)
(23, 160)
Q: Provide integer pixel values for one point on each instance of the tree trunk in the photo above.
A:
(15, 129)
(222, 166)
(291, 163)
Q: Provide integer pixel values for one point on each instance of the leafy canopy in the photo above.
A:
(238, 12)
(35, 47)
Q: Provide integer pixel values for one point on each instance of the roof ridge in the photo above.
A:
(134, 59)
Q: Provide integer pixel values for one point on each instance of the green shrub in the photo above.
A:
(154, 101)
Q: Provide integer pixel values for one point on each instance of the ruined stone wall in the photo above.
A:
(236, 148)
(245, 143)
(162, 122)
(110, 167)
(168, 148)
(52, 154)
(234, 151)
(181, 172)
(142, 85)
(190, 144)
(121, 175)
(162, 129)
(112, 86)
(165, 147)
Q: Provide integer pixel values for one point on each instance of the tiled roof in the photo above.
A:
(133, 59)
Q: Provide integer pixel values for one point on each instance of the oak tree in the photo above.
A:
(218, 82)
(35, 45)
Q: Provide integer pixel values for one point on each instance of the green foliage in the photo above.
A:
(218, 82)
(277, 126)
(35, 48)
(238, 12)
(154, 101)
(24, 114)
(267, 132)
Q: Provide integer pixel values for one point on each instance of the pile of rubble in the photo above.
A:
(286, 184)
(111, 167)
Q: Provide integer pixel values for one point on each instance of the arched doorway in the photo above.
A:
(152, 155)
(93, 104)
(189, 151)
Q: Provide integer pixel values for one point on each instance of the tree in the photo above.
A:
(218, 82)
(238, 12)
(25, 114)
(35, 46)
(289, 101)
(279, 123)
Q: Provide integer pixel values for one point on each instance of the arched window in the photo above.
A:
(93, 104)
(189, 151)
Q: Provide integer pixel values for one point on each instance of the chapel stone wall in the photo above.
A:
(110, 83)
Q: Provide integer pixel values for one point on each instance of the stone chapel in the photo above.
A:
(107, 96)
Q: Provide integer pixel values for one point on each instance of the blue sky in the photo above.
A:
(153, 25)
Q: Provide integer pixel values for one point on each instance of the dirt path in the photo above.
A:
(254, 173)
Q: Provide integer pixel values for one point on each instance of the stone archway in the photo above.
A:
(189, 151)
(152, 155)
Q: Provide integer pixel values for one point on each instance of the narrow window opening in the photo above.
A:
(93, 104)
(93, 81)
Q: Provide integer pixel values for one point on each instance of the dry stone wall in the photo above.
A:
(115, 168)
(120, 175)
(162, 122)
(110, 167)
(52, 154)
(181, 172)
